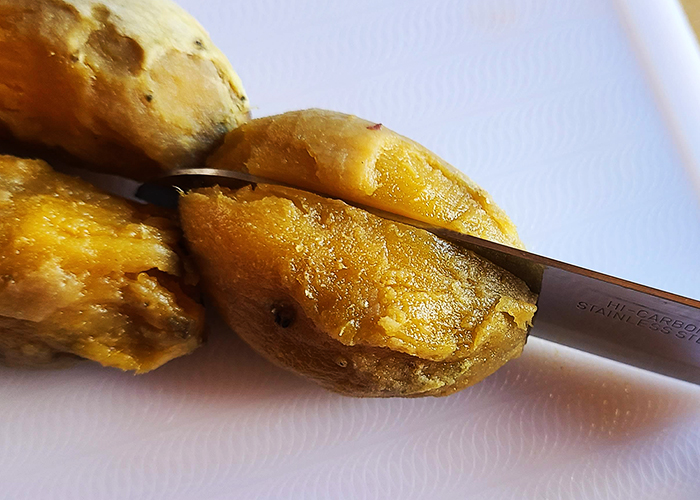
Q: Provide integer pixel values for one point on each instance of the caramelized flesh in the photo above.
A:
(83, 273)
(353, 159)
(363, 305)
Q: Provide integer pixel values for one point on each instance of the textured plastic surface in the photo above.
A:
(577, 115)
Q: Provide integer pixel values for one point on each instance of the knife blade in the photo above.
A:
(577, 307)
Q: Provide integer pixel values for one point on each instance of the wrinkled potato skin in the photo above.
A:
(356, 160)
(86, 274)
(362, 305)
(133, 87)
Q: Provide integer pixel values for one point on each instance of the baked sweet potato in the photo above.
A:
(362, 305)
(86, 274)
(356, 160)
(133, 87)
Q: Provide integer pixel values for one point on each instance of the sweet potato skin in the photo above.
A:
(132, 87)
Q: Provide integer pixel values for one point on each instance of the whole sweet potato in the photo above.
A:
(133, 87)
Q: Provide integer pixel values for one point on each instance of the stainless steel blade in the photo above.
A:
(584, 309)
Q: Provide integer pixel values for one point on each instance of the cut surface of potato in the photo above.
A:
(350, 158)
(86, 274)
(133, 87)
(365, 306)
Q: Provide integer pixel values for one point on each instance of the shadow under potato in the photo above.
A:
(556, 393)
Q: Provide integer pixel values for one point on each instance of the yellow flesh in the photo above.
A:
(87, 274)
(378, 297)
(356, 160)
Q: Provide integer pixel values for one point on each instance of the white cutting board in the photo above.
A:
(581, 117)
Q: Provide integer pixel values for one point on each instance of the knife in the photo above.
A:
(577, 307)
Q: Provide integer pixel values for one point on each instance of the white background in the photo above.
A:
(577, 116)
